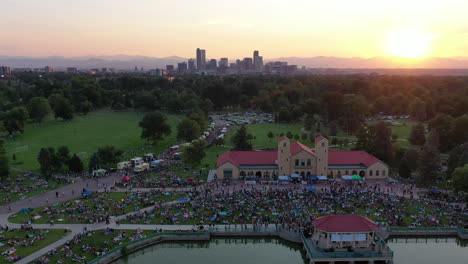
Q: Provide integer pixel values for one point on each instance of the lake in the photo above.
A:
(277, 251)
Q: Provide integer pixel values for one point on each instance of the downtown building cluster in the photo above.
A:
(248, 65)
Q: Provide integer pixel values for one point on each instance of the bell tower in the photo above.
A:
(321, 150)
(284, 153)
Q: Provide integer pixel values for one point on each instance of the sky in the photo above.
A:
(302, 28)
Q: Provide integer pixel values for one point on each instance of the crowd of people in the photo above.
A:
(25, 184)
(84, 246)
(23, 237)
(297, 207)
(98, 207)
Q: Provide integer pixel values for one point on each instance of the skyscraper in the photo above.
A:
(5, 70)
(223, 63)
(182, 67)
(191, 65)
(201, 59)
(257, 62)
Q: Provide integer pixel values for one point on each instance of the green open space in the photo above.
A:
(84, 134)
(84, 210)
(403, 131)
(27, 241)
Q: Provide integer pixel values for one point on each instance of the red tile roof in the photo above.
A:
(344, 223)
(281, 138)
(297, 147)
(320, 138)
(238, 158)
(343, 157)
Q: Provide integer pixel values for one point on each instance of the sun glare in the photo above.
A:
(410, 43)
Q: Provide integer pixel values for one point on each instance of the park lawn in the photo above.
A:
(212, 155)
(84, 134)
(111, 198)
(24, 251)
(96, 240)
(403, 131)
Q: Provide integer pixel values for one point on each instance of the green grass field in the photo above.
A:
(403, 131)
(84, 135)
(24, 251)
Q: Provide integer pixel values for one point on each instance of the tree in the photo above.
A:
(458, 157)
(188, 130)
(15, 119)
(458, 131)
(38, 108)
(333, 129)
(270, 135)
(94, 162)
(284, 115)
(194, 153)
(376, 140)
(304, 136)
(4, 163)
(154, 126)
(289, 135)
(404, 169)
(416, 136)
(429, 160)
(418, 110)
(334, 141)
(46, 160)
(443, 124)
(75, 164)
(242, 139)
(309, 123)
(355, 110)
(109, 155)
(460, 178)
(63, 155)
(63, 108)
(85, 107)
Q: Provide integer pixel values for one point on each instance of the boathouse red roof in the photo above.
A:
(344, 223)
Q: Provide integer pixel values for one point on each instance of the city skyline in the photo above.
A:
(303, 28)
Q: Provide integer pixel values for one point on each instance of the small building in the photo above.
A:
(346, 239)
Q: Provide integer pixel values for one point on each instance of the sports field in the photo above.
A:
(84, 135)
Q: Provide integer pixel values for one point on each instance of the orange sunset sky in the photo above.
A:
(364, 28)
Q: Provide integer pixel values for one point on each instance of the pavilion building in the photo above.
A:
(295, 158)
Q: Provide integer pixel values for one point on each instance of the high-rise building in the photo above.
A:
(48, 69)
(182, 67)
(191, 65)
(201, 59)
(257, 62)
(104, 70)
(212, 65)
(156, 72)
(5, 70)
(247, 64)
(223, 63)
(72, 70)
(169, 68)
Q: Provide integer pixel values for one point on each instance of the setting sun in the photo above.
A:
(411, 43)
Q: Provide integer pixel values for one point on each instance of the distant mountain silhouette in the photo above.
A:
(123, 62)
(377, 62)
(128, 62)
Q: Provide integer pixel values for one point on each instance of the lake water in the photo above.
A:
(277, 251)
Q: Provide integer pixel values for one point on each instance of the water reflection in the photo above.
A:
(278, 251)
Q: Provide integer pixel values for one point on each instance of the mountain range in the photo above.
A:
(127, 62)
